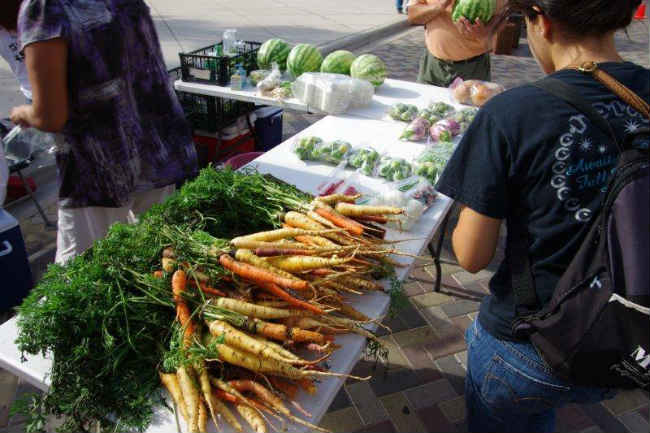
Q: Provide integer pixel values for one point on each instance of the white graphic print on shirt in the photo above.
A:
(592, 162)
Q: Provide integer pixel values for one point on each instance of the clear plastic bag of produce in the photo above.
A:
(334, 182)
(417, 130)
(441, 109)
(271, 81)
(305, 147)
(474, 92)
(424, 193)
(331, 152)
(393, 197)
(258, 75)
(403, 112)
(464, 117)
(393, 169)
(432, 161)
(364, 160)
(444, 130)
(430, 115)
(331, 93)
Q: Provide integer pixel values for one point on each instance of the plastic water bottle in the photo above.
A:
(229, 40)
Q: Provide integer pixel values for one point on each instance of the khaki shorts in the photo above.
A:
(78, 228)
(441, 73)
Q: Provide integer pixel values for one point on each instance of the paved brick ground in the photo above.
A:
(420, 389)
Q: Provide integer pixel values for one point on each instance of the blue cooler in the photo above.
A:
(268, 128)
(14, 266)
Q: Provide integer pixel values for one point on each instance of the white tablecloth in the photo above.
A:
(389, 93)
(282, 163)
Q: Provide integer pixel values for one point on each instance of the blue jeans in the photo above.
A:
(398, 5)
(509, 388)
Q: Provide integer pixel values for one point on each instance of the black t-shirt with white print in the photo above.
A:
(530, 150)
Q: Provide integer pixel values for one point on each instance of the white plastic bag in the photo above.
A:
(331, 93)
(272, 81)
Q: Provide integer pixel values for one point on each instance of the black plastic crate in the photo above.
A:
(203, 66)
(209, 113)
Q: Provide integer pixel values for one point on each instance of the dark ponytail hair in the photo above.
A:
(9, 14)
(581, 17)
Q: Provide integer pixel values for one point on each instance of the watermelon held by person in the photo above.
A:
(369, 67)
(304, 58)
(338, 62)
(473, 9)
(273, 51)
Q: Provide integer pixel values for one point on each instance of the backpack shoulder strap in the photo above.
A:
(570, 95)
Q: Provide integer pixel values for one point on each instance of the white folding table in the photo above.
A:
(282, 163)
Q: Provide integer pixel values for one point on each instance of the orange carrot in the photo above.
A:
(339, 220)
(211, 290)
(276, 290)
(284, 386)
(158, 274)
(259, 275)
(320, 272)
(179, 284)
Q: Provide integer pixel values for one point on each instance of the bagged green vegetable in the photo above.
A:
(403, 112)
(331, 152)
(305, 147)
(393, 169)
(364, 160)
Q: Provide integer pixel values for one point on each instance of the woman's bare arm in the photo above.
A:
(475, 239)
(47, 67)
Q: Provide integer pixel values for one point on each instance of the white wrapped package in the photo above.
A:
(331, 93)
(362, 92)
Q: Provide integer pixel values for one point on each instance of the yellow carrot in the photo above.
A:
(170, 381)
(190, 395)
(242, 359)
(236, 338)
(206, 389)
(227, 413)
(203, 418)
(304, 263)
(247, 256)
(350, 209)
(275, 235)
(252, 418)
(335, 198)
(254, 310)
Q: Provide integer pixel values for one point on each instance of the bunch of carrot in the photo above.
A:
(246, 306)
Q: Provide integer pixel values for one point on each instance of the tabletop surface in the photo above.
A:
(281, 162)
(389, 93)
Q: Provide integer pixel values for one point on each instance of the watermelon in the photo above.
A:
(338, 62)
(473, 10)
(273, 51)
(369, 67)
(304, 58)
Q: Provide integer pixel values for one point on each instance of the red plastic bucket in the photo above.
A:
(640, 12)
(242, 159)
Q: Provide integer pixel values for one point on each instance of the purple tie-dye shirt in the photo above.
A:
(126, 132)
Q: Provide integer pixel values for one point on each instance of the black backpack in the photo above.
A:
(595, 331)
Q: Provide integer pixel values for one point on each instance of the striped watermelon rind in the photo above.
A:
(473, 9)
(369, 67)
(338, 62)
(273, 51)
(304, 58)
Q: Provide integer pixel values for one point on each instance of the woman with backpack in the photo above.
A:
(533, 160)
